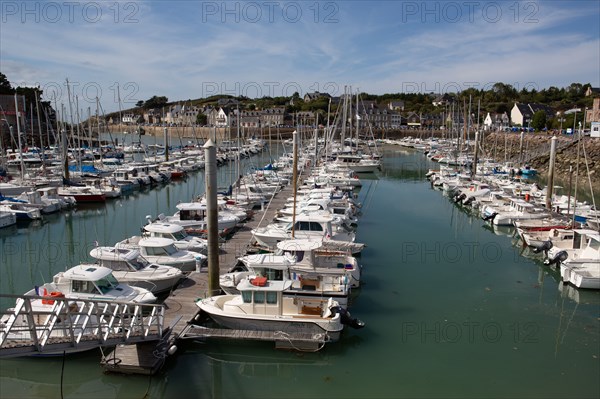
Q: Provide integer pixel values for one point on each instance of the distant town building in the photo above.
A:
(413, 120)
(153, 116)
(396, 105)
(592, 91)
(442, 99)
(593, 115)
(130, 118)
(273, 116)
(308, 97)
(521, 114)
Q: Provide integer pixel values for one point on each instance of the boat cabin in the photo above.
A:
(119, 259)
(87, 279)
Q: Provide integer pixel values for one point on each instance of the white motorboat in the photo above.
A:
(176, 233)
(543, 240)
(7, 219)
(313, 272)
(34, 199)
(580, 263)
(262, 306)
(307, 226)
(131, 268)
(192, 216)
(517, 210)
(92, 282)
(358, 163)
(164, 252)
(20, 211)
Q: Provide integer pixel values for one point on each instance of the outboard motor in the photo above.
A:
(346, 317)
(460, 198)
(546, 245)
(560, 257)
(490, 217)
(469, 201)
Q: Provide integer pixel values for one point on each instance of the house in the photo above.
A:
(221, 117)
(487, 122)
(227, 102)
(442, 99)
(153, 116)
(592, 91)
(130, 118)
(250, 118)
(593, 115)
(395, 120)
(413, 120)
(521, 114)
(308, 97)
(273, 116)
(396, 105)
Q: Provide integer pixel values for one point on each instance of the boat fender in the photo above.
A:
(172, 350)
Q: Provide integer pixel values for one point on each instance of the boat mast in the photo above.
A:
(37, 108)
(344, 117)
(19, 137)
(295, 179)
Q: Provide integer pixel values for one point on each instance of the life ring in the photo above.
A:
(53, 294)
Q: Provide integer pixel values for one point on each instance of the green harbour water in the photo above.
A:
(452, 308)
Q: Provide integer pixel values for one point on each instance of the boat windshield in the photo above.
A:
(106, 284)
(139, 263)
(170, 249)
(179, 236)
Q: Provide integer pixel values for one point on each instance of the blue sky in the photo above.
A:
(191, 49)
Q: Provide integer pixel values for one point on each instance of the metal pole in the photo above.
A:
(474, 169)
(295, 179)
(521, 149)
(212, 216)
(19, 138)
(570, 183)
(166, 139)
(550, 187)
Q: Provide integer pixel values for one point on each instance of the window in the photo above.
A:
(247, 296)
(272, 297)
(86, 287)
(259, 297)
(274, 274)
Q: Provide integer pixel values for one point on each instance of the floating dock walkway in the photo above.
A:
(181, 311)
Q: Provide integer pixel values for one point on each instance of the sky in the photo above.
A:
(124, 52)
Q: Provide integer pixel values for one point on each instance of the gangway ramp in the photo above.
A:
(70, 325)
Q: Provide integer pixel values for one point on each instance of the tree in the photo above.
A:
(201, 119)
(139, 103)
(5, 87)
(156, 102)
(538, 122)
